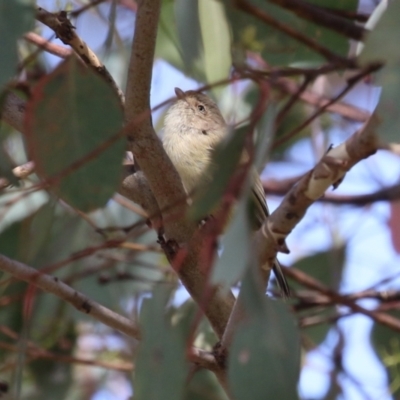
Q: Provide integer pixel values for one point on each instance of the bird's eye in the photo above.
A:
(201, 108)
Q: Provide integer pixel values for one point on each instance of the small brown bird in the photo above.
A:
(193, 127)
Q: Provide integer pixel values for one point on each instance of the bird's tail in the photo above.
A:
(282, 282)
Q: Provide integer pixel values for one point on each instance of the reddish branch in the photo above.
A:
(323, 17)
(260, 14)
(336, 298)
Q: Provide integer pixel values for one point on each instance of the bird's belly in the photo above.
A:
(191, 171)
(189, 165)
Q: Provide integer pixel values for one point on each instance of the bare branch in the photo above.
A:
(322, 16)
(312, 283)
(299, 36)
(65, 31)
(13, 111)
(46, 45)
(82, 303)
(343, 109)
(329, 171)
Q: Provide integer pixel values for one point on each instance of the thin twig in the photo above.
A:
(65, 31)
(313, 44)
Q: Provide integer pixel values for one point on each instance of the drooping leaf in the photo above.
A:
(386, 344)
(277, 48)
(5, 163)
(326, 267)
(16, 18)
(264, 358)
(232, 263)
(216, 40)
(53, 376)
(189, 34)
(265, 136)
(160, 365)
(225, 160)
(73, 113)
(317, 333)
(381, 46)
(167, 45)
(204, 386)
(394, 223)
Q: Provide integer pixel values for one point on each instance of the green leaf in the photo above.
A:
(215, 32)
(316, 334)
(386, 343)
(160, 365)
(277, 48)
(72, 113)
(16, 18)
(326, 267)
(5, 162)
(381, 46)
(234, 259)
(265, 136)
(167, 45)
(264, 359)
(225, 159)
(188, 28)
(53, 376)
(204, 386)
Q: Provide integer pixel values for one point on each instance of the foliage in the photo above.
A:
(64, 219)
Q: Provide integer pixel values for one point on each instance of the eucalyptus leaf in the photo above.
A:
(16, 18)
(381, 46)
(189, 34)
(276, 47)
(215, 32)
(72, 113)
(225, 160)
(265, 136)
(386, 344)
(264, 357)
(167, 44)
(327, 266)
(232, 263)
(160, 364)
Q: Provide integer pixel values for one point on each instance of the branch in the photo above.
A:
(163, 179)
(343, 109)
(144, 143)
(46, 45)
(391, 193)
(260, 14)
(65, 31)
(310, 282)
(329, 171)
(82, 303)
(321, 16)
(13, 110)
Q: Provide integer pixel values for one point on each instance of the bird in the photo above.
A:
(193, 128)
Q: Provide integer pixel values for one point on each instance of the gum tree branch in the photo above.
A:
(321, 16)
(329, 171)
(163, 179)
(260, 14)
(143, 141)
(347, 300)
(46, 45)
(82, 303)
(65, 31)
